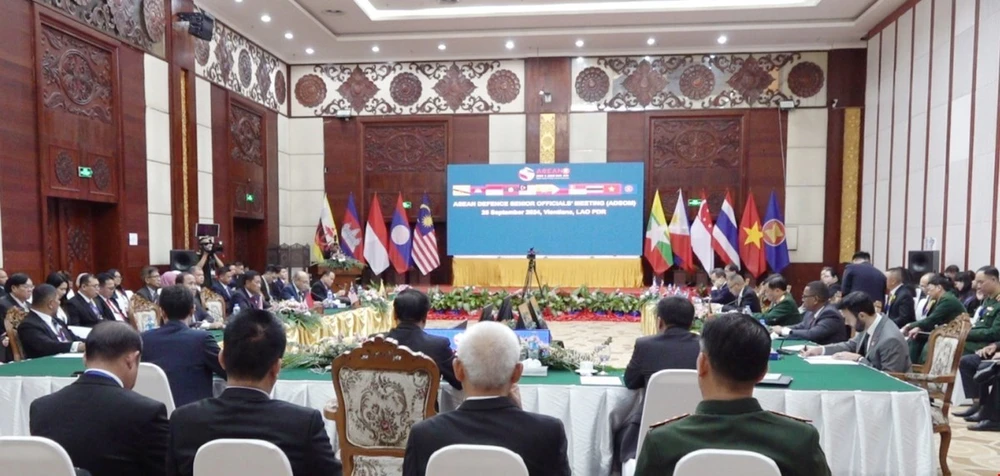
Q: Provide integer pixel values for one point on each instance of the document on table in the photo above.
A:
(603, 380)
(69, 356)
(828, 360)
(80, 331)
(794, 348)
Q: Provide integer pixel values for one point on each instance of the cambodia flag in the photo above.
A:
(350, 242)
(725, 233)
(775, 246)
(399, 234)
(376, 239)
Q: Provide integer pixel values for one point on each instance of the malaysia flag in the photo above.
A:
(376, 239)
(725, 234)
(350, 233)
(399, 234)
(425, 248)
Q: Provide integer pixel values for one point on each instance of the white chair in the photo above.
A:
(152, 382)
(233, 457)
(669, 393)
(34, 456)
(711, 462)
(481, 460)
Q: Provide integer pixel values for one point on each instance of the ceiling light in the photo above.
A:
(722, 39)
(509, 45)
(289, 36)
(646, 58)
(579, 43)
(239, 1)
(375, 49)
(651, 41)
(442, 47)
(265, 18)
(579, 59)
(310, 51)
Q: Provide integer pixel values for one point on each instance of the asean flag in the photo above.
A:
(376, 239)
(399, 234)
(351, 242)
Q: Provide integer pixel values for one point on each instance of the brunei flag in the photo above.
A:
(325, 243)
(656, 246)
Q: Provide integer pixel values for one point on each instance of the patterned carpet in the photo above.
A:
(971, 453)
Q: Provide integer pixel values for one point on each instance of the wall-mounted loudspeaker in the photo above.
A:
(199, 24)
(921, 262)
(182, 260)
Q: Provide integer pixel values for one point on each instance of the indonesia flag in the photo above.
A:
(680, 235)
(350, 234)
(701, 236)
(725, 234)
(425, 245)
(399, 252)
(376, 239)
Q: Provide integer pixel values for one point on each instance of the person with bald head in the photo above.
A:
(298, 289)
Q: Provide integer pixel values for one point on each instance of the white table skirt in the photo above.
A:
(862, 433)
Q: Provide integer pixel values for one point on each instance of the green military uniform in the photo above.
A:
(987, 328)
(784, 313)
(942, 312)
(792, 443)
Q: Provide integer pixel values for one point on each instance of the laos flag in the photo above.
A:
(399, 236)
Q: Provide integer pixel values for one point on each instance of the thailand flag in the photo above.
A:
(425, 248)
(351, 242)
(376, 239)
(399, 233)
(725, 234)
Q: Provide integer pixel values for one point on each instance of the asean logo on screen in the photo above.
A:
(774, 233)
(526, 174)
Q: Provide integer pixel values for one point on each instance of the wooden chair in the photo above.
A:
(144, 315)
(214, 304)
(937, 376)
(383, 389)
(10, 322)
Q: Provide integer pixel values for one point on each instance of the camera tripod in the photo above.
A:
(532, 273)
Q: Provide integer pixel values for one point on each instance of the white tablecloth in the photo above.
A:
(862, 433)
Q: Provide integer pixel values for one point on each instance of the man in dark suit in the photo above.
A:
(271, 290)
(323, 288)
(250, 295)
(902, 300)
(298, 289)
(720, 293)
(18, 287)
(878, 343)
(151, 290)
(675, 347)
(745, 297)
(822, 323)
(105, 427)
(221, 286)
(187, 280)
(280, 282)
(84, 309)
(862, 276)
(411, 308)
(251, 355)
(42, 333)
(3, 283)
(106, 295)
(188, 356)
(488, 366)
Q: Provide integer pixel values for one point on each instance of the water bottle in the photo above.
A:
(746, 310)
(533, 350)
(236, 309)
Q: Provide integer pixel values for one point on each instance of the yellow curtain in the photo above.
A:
(510, 272)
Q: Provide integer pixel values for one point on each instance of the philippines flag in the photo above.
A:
(680, 235)
(399, 233)
(725, 233)
(701, 236)
(376, 239)
(350, 234)
(425, 246)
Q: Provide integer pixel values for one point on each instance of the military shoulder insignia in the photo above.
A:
(671, 420)
(803, 420)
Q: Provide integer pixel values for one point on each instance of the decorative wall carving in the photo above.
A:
(65, 168)
(232, 61)
(77, 245)
(463, 87)
(245, 133)
(684, 150)
(405, 147)
(280, 88)
(684, 82)
(142, 26)
(77, 76)
(102, 174)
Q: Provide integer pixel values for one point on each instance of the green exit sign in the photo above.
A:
(407, 205)
(85, 172)
(695, 202)
(250, 198)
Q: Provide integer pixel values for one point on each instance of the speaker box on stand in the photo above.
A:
(921, 262)
(182, 260)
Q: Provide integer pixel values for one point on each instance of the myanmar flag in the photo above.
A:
(657, 243)
(751, 239)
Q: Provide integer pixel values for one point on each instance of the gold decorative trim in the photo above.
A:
(547, 139)
(184, 159)
(849, 185)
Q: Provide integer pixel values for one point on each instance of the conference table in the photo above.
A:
(869, 423)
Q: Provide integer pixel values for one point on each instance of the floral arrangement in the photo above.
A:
(556, 301)
(341, 262)
(294, 313)
(374, 298)
(557, 357)
(318, 355)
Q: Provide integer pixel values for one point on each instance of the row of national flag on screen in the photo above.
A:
(677, 242)
(398, 246)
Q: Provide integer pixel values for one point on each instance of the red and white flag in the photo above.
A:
(425, 246)
(701, 236)
(376, 239)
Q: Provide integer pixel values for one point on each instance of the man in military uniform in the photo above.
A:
(783, 311)
(987, 328)
(734, 357)
(943, 308)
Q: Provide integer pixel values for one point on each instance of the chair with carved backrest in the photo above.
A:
(10, 322)
(383, 389)
(214, 304)
(144, 315)
(937, 376)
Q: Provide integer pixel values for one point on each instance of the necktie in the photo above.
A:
(93, 307)
(863, 351)
(60, 333)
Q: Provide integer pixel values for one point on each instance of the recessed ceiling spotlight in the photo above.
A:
(375, 49)
(310, 51)
(509, 45)
(722, 39)
(651, 41)
(239, 1)
(442, 47)
(289, 36)
(265, 18)
(579, 43)
(647, 58)
(579, 59)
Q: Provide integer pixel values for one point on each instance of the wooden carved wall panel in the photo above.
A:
(62, 169)
(696, 154)
(76, 76)
(244, 208)
(235, 63)
(245, 135)
(405, 147)
(142, 23)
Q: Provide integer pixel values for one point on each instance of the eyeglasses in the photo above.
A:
(808, 296)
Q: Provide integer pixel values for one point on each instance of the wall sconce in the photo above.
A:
(545, 96)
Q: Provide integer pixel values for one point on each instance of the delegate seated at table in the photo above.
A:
(822, 323)
(878, 343)
(987, 328)
(411, 307)
(42, 333)
(784, 311)
(945, 307)
(745, 298)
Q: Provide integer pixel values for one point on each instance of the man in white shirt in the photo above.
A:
(42, 333)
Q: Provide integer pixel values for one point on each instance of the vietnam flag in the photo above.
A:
(376, 239)
(680, 235)
(656, 247)
(751, 239)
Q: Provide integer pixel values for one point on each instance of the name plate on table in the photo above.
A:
(542, 334)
